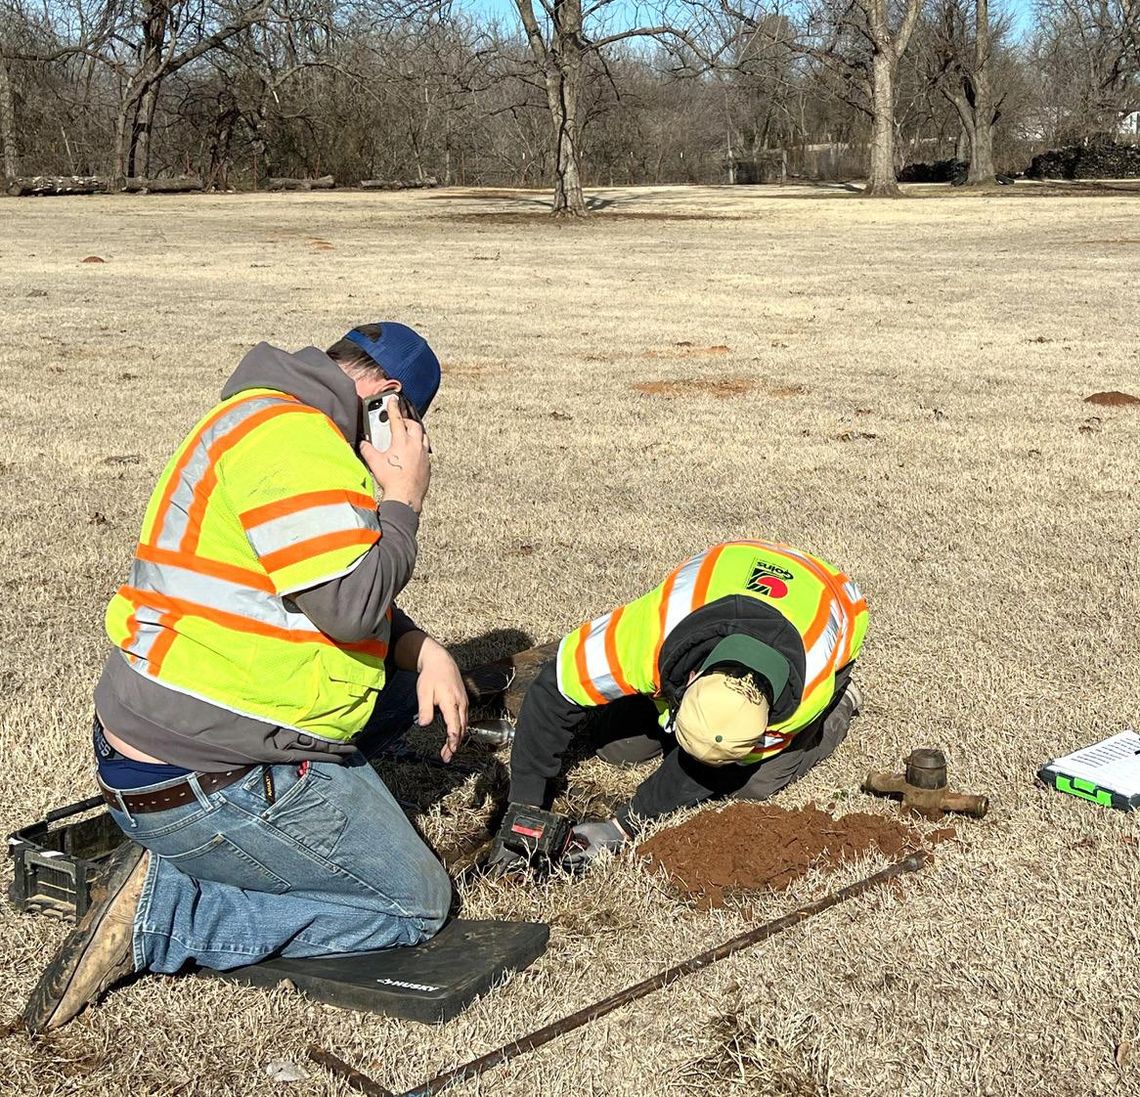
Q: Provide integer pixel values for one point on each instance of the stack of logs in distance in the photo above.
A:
(42, 186)
(1099, 161)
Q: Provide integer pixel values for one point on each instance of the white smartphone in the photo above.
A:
(377, 427)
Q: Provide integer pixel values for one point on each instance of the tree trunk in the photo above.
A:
(982, 171)
(8, 147)
(563, 84)
(122, 141)
(186, 184)
(560, 62)
(138, 161)
(882, 182)
(964, 143)
(568, 197)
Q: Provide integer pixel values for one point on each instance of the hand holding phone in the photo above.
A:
(396, 450)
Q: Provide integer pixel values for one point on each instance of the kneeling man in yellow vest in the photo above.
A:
(258, 650)
(736, 669)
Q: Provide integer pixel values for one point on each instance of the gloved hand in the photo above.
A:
(590, 839)
(503, 862)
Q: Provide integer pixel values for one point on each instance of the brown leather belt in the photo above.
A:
(173, 796)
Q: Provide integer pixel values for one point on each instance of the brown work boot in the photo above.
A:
(99, 952)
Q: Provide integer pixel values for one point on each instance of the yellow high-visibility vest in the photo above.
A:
(618, 654)
(264, 498)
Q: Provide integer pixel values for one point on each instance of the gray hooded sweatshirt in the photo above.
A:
(189, 732)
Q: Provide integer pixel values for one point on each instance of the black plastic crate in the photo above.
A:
(53, 865)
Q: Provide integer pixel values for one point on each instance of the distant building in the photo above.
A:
(1130, 124)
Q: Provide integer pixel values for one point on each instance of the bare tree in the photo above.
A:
(860, 44)
(24, 38)
(560, 41)
(959, 44)
(9, 150)
(157, 39)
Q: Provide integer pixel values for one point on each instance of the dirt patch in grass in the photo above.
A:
(506, 217)
(594, 217)
(485, 195)
(1113, 399)
(722, 388)
(746, 847)
(664, 215)
(688, 350)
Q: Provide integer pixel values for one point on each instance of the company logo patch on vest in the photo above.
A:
(769, 579)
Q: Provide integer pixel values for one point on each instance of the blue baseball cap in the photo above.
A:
(404, 355)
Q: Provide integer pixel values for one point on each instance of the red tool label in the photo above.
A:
(530, 832)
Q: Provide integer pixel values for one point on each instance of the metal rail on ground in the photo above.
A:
(363, 1084)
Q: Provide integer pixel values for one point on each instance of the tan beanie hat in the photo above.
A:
(721, 718)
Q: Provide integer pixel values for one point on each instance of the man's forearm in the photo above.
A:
(680, 781)
(353, 606)
(546, 727)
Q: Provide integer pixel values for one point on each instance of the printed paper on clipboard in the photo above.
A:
(1106, 773)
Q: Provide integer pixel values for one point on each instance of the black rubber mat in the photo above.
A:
(432, 982)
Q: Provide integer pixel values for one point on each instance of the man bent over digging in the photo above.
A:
(259, 652)
(736, 668)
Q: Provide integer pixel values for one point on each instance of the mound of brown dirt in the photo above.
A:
(750, 846)
(1112, 399)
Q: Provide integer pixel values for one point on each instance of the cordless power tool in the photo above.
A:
(530, 838)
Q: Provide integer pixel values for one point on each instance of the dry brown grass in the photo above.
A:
(996, 540)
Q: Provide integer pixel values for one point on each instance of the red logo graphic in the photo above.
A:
(769, 579)
(769, 585)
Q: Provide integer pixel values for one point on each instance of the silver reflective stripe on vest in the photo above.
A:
(175, 522)
(597, 663)
(146, 633)
(681, 596)
(815, 659)
(303, 525)
(217, 594)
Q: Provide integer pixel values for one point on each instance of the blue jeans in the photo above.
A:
(329, 865)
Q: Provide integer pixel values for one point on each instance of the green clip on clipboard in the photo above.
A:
(1107, 773)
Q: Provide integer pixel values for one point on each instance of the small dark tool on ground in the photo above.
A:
(363, 1084)
(924, 788)
(538, 839)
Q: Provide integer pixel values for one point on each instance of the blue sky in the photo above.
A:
(506, 12)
